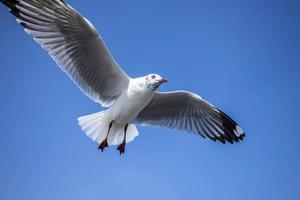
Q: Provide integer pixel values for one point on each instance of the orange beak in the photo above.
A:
(162, 81)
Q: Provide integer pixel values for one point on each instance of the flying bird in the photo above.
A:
(77, 48)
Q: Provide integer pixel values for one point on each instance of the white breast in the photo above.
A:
(131, 102)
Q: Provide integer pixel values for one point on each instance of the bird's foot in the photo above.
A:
(103, 145)
(121, 148)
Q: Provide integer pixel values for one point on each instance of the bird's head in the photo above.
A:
(153, 81)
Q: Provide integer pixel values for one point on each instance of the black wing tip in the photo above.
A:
(230, 141)
(9, 3)
(234, 136)
(232, 132)
(241, 135)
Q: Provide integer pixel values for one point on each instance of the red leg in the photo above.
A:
(121, 147)
(104, 143)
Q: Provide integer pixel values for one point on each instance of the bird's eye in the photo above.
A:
(153, 76)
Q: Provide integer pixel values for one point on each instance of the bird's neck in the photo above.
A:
(138, 86)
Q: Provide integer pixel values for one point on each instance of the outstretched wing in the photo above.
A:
(74, 44)
(184, 110)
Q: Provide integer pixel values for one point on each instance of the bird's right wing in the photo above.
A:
(74, 44)
(187, 111)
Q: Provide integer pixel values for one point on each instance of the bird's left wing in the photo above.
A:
(184, 110)
(74, 44)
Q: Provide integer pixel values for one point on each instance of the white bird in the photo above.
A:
(74, 44)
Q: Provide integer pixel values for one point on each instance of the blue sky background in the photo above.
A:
(243, 56)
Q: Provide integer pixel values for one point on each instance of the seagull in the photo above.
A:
(77, 48)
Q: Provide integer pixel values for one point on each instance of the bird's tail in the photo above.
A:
(96, 126)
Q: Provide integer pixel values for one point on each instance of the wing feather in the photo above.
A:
(74, 44)
(184, 110)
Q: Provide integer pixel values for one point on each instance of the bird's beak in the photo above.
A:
(162, 81)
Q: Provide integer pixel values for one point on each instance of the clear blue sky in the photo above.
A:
(243, 56)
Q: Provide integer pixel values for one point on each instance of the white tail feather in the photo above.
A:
(96, 126)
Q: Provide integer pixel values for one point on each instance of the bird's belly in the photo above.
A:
(125, 109)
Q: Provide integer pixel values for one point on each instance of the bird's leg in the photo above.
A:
(121, 147)
(104, 144)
